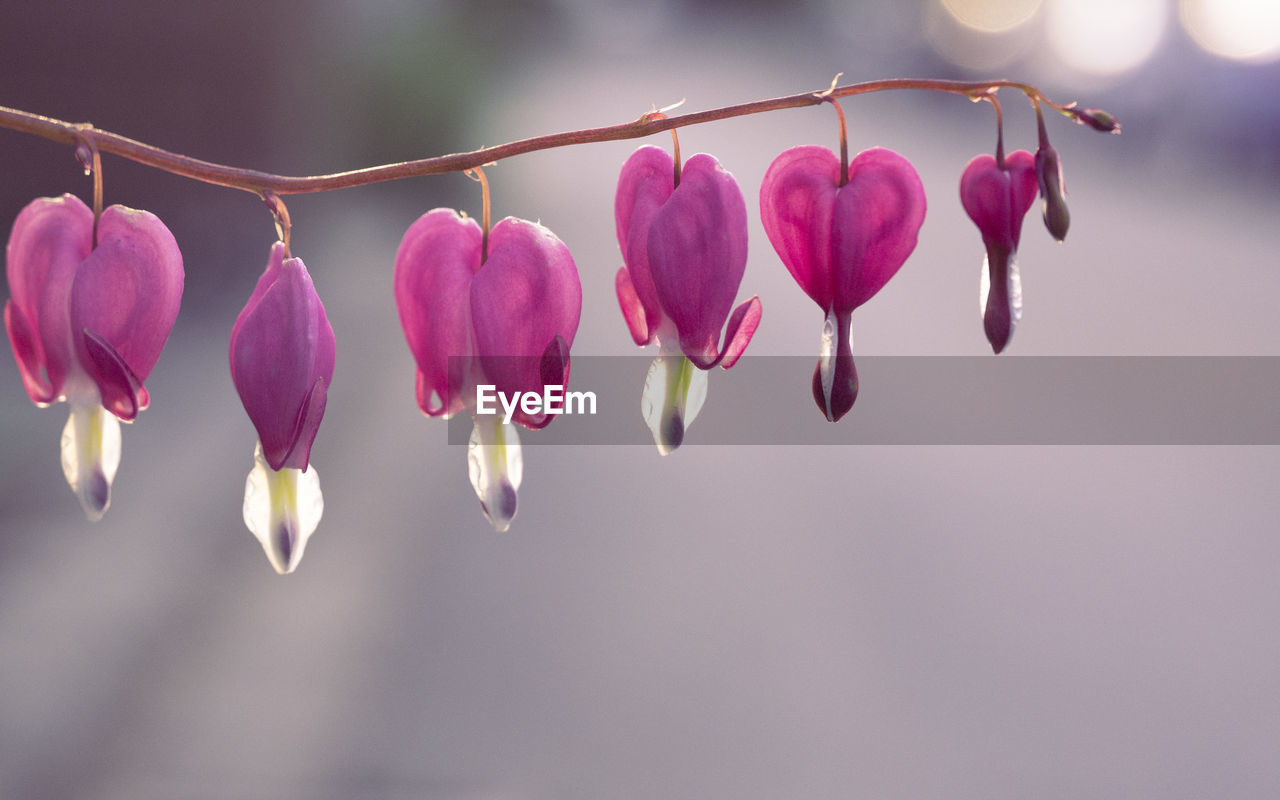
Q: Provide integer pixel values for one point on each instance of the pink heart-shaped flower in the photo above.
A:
(842, 241)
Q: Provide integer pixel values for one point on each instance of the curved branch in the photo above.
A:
(646, 125)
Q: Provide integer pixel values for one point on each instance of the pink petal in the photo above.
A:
(877, 218)
(997, 316)
(1023, 184)
(282, 354)
(697, 247)
(995, 199)
(525, 296)
(742, 326)
(126, 294)
(646, 181)
(632, 309)
(797, 203)
(121, 389)
(29, 354)
(437, 258)
(842, 244)
(50, 238)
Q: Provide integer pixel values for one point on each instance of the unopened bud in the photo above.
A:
(1049, 173)
(1098, 119)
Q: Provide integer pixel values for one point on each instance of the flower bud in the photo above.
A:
(1097, 119)
(1049, 173)
(282, 353)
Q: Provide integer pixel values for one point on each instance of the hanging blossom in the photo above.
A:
(89, 314)
(497, 310)
(996, 193)
(683, 235)
(842, 237)
(282, 354)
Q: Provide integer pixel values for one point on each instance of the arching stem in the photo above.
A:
(995, 103)
(645, 125)
(675, 141)
(284, 226)
(829, 97)
(477, 174)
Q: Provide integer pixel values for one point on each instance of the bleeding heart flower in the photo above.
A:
(685, 249)
(997, 196)
(87, 323)
(282, 354)
(842, 240)
(499, 312)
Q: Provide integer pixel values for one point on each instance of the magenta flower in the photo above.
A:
(997, 196)
(282, 353)
(500, 314)
(87, 323)
(684, 249)
(842, 241)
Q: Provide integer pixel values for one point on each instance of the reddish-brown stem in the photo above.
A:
(675, 157)
(844, 143)
(1044, 134)
(477, 174)
(647, 125)
(284, 225)
(995, 103)
(97, 190)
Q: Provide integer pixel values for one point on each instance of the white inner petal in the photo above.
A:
(91, 455)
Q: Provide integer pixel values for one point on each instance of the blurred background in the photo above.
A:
(728, 621)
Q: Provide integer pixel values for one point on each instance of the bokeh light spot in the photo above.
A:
(1105, 37)
(1244, 30)
(991, 16)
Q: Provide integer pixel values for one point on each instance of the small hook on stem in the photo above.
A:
(284, 226)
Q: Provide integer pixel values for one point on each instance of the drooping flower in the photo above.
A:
(499, 312)
(87, 322)
(997, 196)
(842, 240)
(282, 354)
(1057, 217)
(684, 249)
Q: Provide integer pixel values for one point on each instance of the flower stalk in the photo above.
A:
(647, 124)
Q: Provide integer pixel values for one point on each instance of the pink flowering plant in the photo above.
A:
(498, 308)
(94, 291)
(842, 229)
(94, 296)
(682, 230)
(282, 354)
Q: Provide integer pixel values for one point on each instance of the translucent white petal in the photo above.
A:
(1015, 291)
(496, 468)
(827, 355)
(91, 455)
(984, 287)
(282, 509)
(674, 392)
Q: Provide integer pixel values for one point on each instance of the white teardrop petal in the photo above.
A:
(282, 509)
(496, 468)
(674, 392)
(91, 456)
